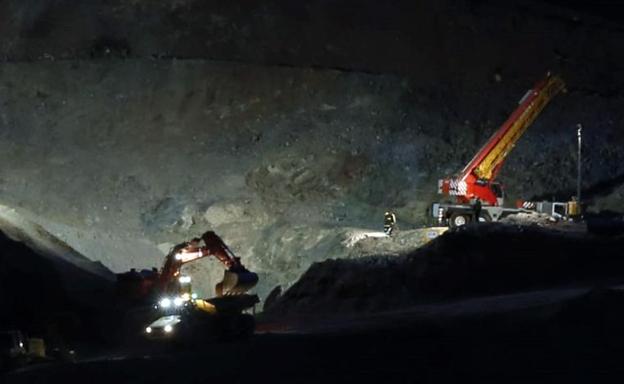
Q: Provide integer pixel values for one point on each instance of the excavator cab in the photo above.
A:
(186, 289)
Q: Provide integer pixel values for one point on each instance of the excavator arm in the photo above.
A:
(475, 180)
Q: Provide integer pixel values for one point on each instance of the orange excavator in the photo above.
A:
(237, 279)
(478, 197)
(167, 296)
(151, 284)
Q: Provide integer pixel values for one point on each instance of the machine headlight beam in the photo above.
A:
(165, 303)
(185, 279)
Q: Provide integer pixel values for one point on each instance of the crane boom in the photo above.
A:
(476, 179)
(489, 159)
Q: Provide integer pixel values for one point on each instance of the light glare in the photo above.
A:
(165, 303)
(185, 279)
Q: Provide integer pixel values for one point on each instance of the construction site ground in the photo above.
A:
(572, 335)
(462, 306)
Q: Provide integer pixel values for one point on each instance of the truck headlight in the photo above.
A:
(168, 328)
(148, 330)
(165, 303)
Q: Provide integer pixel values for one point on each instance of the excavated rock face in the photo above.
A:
(124, 131)
(118, 152)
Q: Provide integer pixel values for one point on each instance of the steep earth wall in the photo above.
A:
(129, 126)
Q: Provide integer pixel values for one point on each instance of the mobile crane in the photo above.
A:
(474, 189)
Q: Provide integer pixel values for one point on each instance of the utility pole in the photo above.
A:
(578, 165)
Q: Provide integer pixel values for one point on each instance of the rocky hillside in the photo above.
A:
(128, 126)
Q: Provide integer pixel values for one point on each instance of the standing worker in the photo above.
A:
(389, 222)
(476, 206)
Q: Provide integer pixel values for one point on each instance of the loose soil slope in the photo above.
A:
(47, 289)
(474, 261)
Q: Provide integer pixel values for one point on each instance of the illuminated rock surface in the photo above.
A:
(280, 126)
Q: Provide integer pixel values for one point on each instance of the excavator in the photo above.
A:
(236, 280)
(477, 195)
(180, 312)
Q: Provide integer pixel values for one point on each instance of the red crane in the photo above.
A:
(477, 180)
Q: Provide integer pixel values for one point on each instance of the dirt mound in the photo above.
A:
(473, 261)
(36, 238)
(597, 309)
(47, 288)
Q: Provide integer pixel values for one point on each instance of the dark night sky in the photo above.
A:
(611, 9)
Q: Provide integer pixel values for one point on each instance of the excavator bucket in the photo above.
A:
(236, 283)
